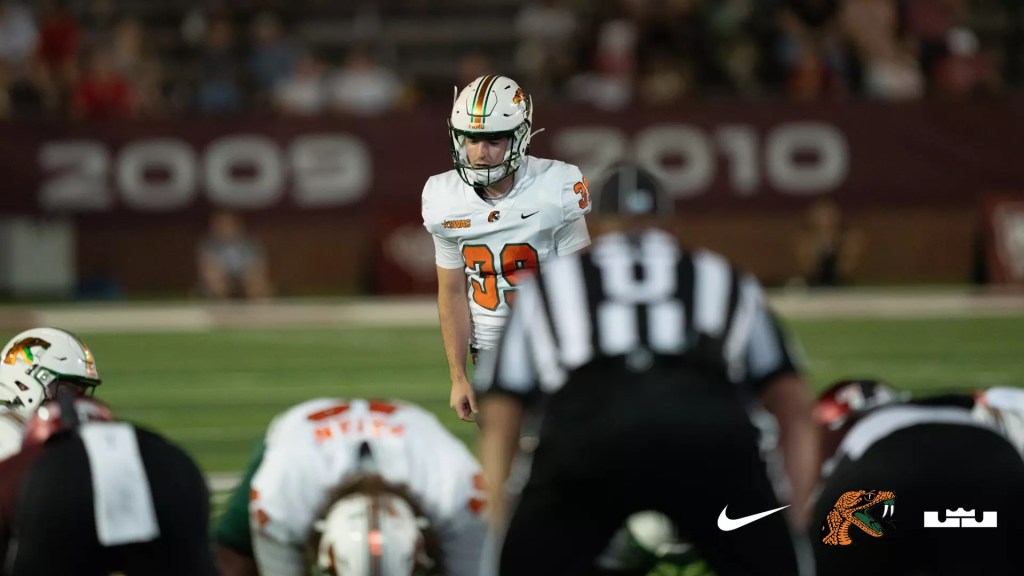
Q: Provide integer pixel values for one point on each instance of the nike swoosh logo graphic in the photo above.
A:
(725, 524)
(525, 216)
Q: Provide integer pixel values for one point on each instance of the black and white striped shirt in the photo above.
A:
(628, 294)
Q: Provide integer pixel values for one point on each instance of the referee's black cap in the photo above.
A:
(628, 190)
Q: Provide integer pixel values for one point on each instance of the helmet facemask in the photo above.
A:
(515, 153)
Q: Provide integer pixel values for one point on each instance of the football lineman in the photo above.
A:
(1003, 408)
(360, 483)
(916, 486)
(33, 366)
(116, 497)
(499, 212)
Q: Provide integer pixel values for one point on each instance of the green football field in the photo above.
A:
(215, 391)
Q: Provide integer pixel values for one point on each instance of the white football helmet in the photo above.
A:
(367, 534)
(1003, 408)
(490, 106)
(35, 362)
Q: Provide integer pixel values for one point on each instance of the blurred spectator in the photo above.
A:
(232, 263)
(929, 22)
(101, 91)
(810, 78)
(59, 41)
(302, 93)
(21, 82)
(810, 51)
(218, 89)
(128, 50)
(828, 251)
(362, 86)
(890, 69)
(736, 56)
(893, 74)
(131, 58)
(545, 30)
(193, 26)
(610, 85)
(18, 35)
(273, 56)
(964, 72)
(31, 93)
(665, 81)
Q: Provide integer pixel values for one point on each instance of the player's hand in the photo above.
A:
(463, 400)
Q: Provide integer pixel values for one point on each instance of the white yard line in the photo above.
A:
(422, 311)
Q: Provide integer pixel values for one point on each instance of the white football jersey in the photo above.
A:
(541, 217)
(314, 447)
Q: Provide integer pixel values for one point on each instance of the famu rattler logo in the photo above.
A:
(857, 509)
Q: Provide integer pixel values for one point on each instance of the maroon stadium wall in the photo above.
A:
(336, 199)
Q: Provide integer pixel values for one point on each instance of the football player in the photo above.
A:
(116, 497)
(328, 469)
(34, 365)
(1003, 408)
(895, 466)
(499, 212)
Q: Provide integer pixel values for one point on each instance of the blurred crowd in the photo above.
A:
(131, 58)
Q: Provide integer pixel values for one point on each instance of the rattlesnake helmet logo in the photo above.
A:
(854, 509)
(521, 100)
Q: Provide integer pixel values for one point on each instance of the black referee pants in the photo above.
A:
(616, 442)
(56, 526)
(931, 467)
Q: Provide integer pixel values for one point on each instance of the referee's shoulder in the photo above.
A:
(565, 264)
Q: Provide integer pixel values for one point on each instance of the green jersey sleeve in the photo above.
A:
(232, 527)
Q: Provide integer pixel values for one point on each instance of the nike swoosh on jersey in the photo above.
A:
(525, 216)
(726, 524)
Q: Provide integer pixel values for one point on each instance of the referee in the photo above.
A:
(652, 361)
